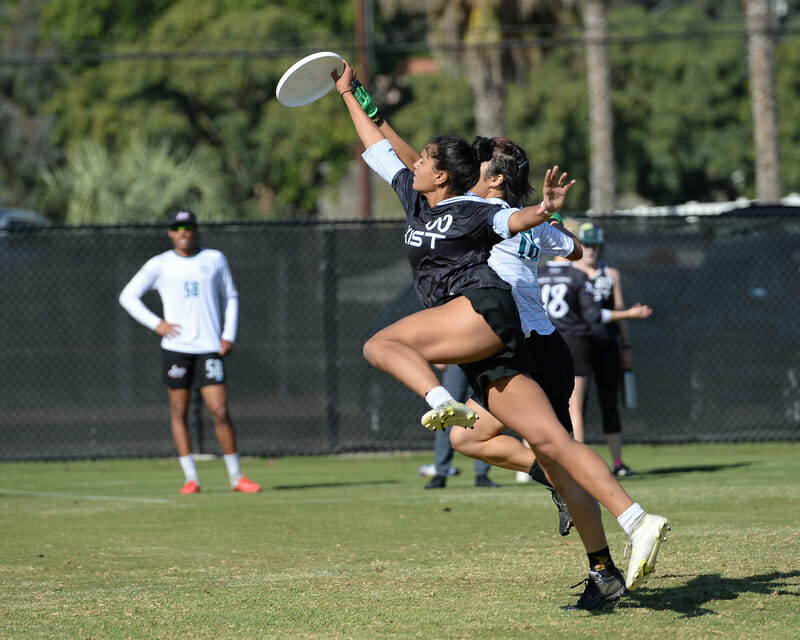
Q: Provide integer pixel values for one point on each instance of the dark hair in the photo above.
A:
(508, 160)
(456, 158)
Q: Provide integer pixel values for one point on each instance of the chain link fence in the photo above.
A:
(719, 360)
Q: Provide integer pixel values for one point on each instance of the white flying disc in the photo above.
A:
(308, 79)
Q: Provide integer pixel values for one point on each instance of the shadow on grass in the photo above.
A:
(692, 599)
(703, 468)
(326, 485)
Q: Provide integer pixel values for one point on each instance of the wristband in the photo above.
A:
(365, 100)
(626, 346)
(557, 217)
(345, 91)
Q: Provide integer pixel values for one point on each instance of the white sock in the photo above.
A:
(234, 472)
(438, 396)
(630, 518)
(189, 470)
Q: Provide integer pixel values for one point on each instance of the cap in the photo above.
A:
(589, 233)
(181, 218)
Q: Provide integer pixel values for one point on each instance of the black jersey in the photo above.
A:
(603, 298)
(448, 245)
(568, 299)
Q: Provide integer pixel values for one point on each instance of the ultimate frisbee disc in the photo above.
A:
(308, 79)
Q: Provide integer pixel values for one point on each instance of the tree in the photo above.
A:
(142, 182)
(602, 178)
(24, 128)
(470, 35)
(199, 78)
(760, 49)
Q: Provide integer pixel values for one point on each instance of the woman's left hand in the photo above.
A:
(554, 189)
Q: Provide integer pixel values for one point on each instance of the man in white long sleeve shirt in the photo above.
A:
(196, 287)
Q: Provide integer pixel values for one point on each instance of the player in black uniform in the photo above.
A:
(472, 319)
(605, 349)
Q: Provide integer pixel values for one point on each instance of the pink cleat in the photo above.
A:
(190, 487)
(245, 485)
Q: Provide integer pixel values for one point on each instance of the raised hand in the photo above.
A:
(555, 188)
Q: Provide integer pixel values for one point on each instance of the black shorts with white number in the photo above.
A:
(187, 370)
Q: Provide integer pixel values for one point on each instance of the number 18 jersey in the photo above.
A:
(567, 294)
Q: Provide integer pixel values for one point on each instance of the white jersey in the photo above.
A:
(516, 260)
(193, 291)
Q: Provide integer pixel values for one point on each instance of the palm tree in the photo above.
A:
(760, 46)
(602, 178)
(469, 34)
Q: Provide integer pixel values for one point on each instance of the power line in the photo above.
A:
(95, 57)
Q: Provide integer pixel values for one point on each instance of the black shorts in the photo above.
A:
(554, 372)
(498, 308)
(551, 368)
(581, 351)
(187, 370)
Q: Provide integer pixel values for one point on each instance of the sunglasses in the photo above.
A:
(184, 227)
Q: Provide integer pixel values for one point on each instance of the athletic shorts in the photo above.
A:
(581, 351)
(187, 370)
(553, 371)
(498, 308)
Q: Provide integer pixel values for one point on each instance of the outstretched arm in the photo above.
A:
(367, 131)
(407, 154)
(404, 151)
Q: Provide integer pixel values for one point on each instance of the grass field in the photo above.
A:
(354, 547)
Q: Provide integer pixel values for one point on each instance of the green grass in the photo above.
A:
(354, 547)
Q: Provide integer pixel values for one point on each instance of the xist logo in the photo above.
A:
(434, 230)
(176, 372)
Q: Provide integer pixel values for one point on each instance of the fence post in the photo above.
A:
(329, 334)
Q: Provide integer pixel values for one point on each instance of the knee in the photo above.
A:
(462, 439)
(219, 413)
(554, 449)
(373, 349)
(369, 350)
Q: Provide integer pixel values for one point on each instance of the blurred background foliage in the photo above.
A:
(118, 110)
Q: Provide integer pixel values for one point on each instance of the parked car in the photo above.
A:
(741, 335)
(18, 219)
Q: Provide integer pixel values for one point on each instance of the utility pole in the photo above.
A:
(364, 46)
(760, 47)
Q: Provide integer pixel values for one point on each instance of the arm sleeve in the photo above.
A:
(131, 296)
(383, 160)
(500, 221)
(555, 242)
(231, 303)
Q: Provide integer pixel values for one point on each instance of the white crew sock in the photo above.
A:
(630, 518)
(232, 463)
(438, 396)
(189, 470)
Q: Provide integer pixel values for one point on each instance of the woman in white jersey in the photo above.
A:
(461, 328)
(504, 179)
(191, 281)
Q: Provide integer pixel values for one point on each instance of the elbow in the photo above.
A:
(577, 252)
